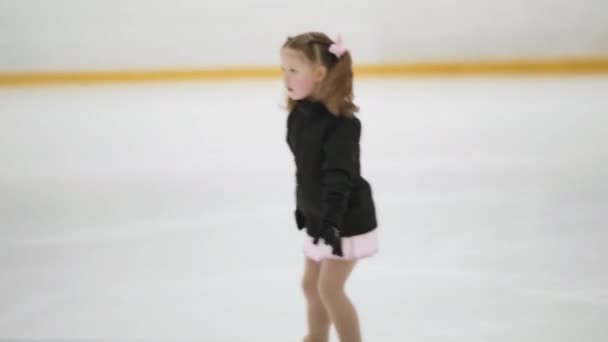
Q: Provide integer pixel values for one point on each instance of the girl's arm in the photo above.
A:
(340, 168)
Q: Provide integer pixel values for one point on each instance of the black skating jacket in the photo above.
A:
(329, 186)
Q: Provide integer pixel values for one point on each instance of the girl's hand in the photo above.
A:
(332, 237)
(300, 219)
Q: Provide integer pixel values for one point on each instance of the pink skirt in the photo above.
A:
(353, 247)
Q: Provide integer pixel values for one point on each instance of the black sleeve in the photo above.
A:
(288, 129)
(340, 169)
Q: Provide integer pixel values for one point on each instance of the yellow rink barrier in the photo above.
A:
(439, 69)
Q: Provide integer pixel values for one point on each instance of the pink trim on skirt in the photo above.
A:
(353, 247)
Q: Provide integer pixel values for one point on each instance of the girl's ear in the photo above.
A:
(320, 73)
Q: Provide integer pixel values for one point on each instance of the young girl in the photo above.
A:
(333, 202)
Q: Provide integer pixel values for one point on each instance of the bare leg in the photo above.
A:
(318, 318)
(343, 314)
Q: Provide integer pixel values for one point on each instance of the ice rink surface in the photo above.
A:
(163, 212)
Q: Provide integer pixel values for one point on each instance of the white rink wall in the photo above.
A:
(113, 34)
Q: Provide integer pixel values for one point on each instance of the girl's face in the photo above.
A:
(301, 77)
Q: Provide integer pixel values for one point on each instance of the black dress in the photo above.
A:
(329, 186)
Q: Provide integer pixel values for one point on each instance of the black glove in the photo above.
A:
(332, 237)
(300, 219)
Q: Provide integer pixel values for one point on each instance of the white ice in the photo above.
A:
(164, 212)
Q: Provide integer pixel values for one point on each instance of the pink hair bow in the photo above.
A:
(337, 48)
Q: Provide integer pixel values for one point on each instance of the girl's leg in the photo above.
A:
(318, 318)
(332, 279)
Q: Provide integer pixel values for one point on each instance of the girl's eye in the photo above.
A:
(292, 70)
